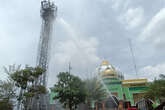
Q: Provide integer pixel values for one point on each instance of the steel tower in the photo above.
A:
(48, 14)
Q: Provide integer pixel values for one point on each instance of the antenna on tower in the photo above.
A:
(69, 68)
(133, 56)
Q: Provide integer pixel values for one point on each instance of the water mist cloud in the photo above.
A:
(80, 51)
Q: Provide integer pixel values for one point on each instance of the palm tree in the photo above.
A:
(95, 90)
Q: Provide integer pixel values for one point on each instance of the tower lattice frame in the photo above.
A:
(48, 14)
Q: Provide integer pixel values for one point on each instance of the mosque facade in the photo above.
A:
(121, 89)
(131, 89)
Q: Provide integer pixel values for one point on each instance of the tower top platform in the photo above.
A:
(48, 9)
(47, 5)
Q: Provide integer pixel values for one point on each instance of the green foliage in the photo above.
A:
(7, 89)
(20, 86)
(95, 90)
(25, 76)
(35, 91)
(7, 93)
(162, 76)
(70, 90)
(5, 104)
(11, 69)
(156, 89)
(24, 80)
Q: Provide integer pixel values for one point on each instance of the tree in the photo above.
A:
(156, 89)
(70, 90)
(7, 90)
(7, 95)
(162, 76)
(11, 69)
(95, 90)
(5, 104)
(24, 80)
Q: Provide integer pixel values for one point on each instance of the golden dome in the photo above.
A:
(109, 71)
(111, 76)
(105, 62)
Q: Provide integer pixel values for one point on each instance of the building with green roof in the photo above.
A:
(131, 90)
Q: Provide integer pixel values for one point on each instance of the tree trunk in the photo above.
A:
(70, 106)
(19, 102)
(160, 100)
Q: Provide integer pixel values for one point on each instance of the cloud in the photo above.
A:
(96, 33)
(119, 5)
(81, 55)
(19, 33)
(80, 51)
(116, 4)
(152, 72)
(154, 30)
(132, 18)
(83, 48)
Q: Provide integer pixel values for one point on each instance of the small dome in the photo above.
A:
(109, 73)
(107, 70)
(105, 62)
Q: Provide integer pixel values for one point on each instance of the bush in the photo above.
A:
(5, 104)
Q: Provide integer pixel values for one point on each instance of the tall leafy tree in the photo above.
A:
(156, 89)
(162, 76)
(70, 90)
(11, 69)
(7, 90)
(7, 95)
(24, 80)
(5, 104)
(95, 90)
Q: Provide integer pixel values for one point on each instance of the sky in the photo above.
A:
(85, 33)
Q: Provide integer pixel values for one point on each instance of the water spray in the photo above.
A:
(105, 87)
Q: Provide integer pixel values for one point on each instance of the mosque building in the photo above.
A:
(131, 90)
